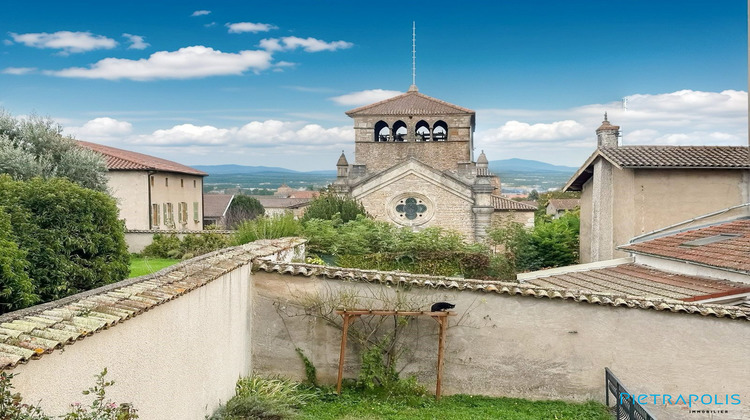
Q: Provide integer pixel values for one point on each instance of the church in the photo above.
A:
(414, 166)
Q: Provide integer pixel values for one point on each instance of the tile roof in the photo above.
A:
(679, 156)
(565, 203)
(216, 205)
(304, 194)
(510, 288)
(410, 103)
(730, 254)
(33, 332)
(502, 204)
(281, 202)
(663, 157)
(125, 160)
(639, 280)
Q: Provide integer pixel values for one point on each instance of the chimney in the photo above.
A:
(607, 134)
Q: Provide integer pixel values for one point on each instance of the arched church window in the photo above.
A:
(422, 131)
(399, 131)
(382, 132)
(440, 131)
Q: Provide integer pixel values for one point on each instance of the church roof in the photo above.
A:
(410, 103)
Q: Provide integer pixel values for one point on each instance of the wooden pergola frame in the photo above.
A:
(350, 315)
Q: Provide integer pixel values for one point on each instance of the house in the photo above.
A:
(627, 191)
(702, 260)
(153, 193)
(557, 206)
(414, 166)
(215, 207)
(517, 211)
(276, 206)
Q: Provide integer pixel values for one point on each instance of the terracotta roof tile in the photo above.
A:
(502, 204)
(603, 298)
(125, 160)
(410, 103)
(32, 332)
(280, 202)
(679, 156)
(732, 253)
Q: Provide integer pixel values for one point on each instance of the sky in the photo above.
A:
(268, 82)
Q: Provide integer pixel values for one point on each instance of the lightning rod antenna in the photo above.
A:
(413, 53)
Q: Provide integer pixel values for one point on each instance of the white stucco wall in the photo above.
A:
(176, 361)
(170, 187)
(130, 189)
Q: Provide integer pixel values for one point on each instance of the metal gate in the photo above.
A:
(625, 408)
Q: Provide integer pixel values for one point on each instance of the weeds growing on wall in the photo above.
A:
(12, 406)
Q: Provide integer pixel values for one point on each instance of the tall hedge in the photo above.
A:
(71, 236)
(16, 290)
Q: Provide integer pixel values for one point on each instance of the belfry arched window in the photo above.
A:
(382, 132)
(440, 131)
(422, 131)
(399, 131)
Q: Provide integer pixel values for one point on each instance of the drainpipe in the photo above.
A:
(150, 206)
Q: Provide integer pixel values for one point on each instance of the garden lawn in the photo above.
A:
(143, 266)
(353, 405)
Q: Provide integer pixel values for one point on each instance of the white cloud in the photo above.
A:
(18, 70)
(289, 43)
(201, 13)
(67, 41)
(684, 117)
(185, 63)
(364, 97)
(242, 27)
(102, 129)
(136, 42)
(269, 133)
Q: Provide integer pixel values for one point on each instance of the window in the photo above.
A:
(166, 182)
(182, 183)
(152, 180)
(182, 212)
(169, 214)
(195, 211)
(195, 183)
(154, 214)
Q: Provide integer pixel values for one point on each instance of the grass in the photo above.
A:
(142, 266)
(277, 398)
(354, 405)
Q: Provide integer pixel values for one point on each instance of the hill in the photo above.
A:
(525, 165)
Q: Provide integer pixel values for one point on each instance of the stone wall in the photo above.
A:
(518, 346)
(441, 155)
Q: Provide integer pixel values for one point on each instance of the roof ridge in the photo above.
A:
(145, 163)
(406, 94)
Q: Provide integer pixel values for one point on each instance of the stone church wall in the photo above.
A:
(440, 155)
(450, 210)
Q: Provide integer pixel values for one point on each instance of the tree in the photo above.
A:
(70, 235)
(16, 289)
(533, 195)
(242, 208)
(35, 147)
(329, 205)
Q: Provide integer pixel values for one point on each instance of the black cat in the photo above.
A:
(441, 306)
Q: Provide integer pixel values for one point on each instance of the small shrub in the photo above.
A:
(252, 407)
(11, 405)
(330, 206)
(279, 226)
(192, 245)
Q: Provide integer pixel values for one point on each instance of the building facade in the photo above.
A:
(153, 193)
(414, 166)
(627, 191)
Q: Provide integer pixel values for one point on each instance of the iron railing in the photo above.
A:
(626, 407)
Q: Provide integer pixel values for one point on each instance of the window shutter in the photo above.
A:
(195, 211)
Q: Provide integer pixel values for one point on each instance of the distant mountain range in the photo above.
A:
(497, 166)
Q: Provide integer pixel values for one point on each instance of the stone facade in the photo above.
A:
(414, 166)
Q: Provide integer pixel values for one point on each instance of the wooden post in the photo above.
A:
(441, 348)
(343, 352)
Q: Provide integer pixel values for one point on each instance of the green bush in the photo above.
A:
(71, 236)
(192, 245)
(279, 226)
(16, 288)
(329, 206)
(243, 208)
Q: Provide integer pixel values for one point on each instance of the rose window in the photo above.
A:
(411, 208)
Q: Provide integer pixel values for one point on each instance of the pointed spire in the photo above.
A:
(482, 160)
(605, 117)
(342, 160)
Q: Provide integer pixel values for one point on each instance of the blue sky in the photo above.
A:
(267, 83)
